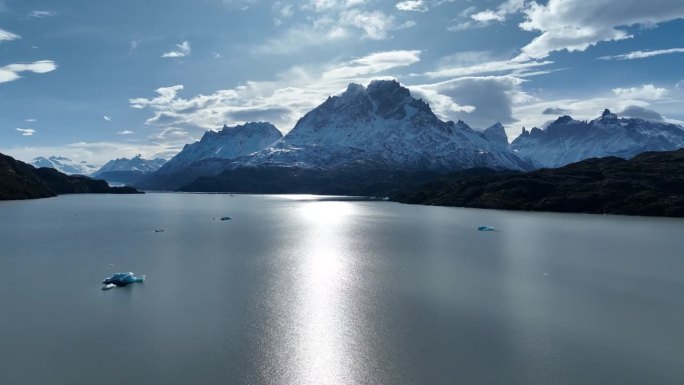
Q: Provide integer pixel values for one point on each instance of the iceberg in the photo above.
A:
(121, 280)
(485, 228)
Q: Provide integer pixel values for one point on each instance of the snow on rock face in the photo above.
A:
(229, 143)
(65, 165)
(383, 126)
(135, 164)
(567, 140)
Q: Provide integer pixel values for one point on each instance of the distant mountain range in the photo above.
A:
(19, 180)
(65, 165)
(381, 127)
(568, 140)
(209, 155)
(128, 171)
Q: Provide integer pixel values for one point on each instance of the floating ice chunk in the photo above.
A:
(120, 280)
(485, 228)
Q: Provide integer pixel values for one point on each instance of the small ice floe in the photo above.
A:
(108, 286)
(226, 218)
(121, 280)
(158, 230)
(485, 228)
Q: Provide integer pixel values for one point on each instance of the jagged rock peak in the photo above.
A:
(354, 89)
(563, 119)
(497, 134)
(608, 116)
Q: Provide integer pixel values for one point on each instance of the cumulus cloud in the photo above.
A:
(42, 14)
(479, 101)
(575, 25)
(500, 13)
(11, 72)
(26, 131)
(644, 92)
(641, 113)
(125, 132)
(375, 24)
(8, 36)
(281, 101)
(183, 50)
(472, 18)
(643, 54)
(328, 22)
(412, 6)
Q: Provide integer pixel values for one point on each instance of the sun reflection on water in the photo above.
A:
(322, 348)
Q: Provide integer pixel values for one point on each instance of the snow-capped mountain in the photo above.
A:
(567, 140)
(137, 164)
(65, 165)
(229, 143)
(383, 126)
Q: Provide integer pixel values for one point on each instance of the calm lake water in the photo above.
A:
(298, 290)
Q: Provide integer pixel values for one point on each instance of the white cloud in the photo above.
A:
(644, 92)
(488, 67)
(125, 132)
(11, 72)
(641, 113)
(26, 131)
(643, 54)
(328, 22)
(183, 50)
(281, 101)
(412, 6)
(42, 14)
(471, 18)
(575, 25)
(216, 55)
(487, 16)
(373, 64)
(8, 36)
(479, 101)
(375, 24)
(107, 118)
(30, 120)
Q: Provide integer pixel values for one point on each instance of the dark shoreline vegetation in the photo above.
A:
(19, 180)
(650, 184)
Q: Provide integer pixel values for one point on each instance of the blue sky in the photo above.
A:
(96, 80)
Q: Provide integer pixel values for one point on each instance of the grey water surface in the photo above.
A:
(298, 290)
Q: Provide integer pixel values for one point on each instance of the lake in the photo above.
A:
(308, 290)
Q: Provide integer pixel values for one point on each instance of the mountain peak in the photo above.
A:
(497, 134)
(354, 89)
(563, 119)
(608, 116)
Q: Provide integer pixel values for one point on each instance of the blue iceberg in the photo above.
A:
(485, 228)
(121, 280)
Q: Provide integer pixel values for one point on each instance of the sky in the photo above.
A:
(98, 80)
